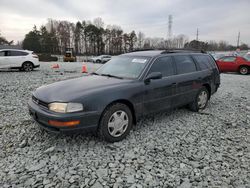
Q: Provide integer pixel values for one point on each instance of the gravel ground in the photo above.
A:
(173, 149)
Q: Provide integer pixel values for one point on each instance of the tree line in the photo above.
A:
(86, 37)
(93, 38)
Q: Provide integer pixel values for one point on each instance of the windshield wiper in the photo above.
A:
(94, 73)
(113, 76)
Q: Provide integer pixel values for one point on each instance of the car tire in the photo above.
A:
(201, 100)
(243, 70)
(27, 67)
(98, 61)
(116, 123)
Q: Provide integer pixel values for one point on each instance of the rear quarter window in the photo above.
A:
(184, 64)
(203, 61)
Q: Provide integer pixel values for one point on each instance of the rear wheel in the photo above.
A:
(98, 61)
(201, 100)
(115, 123)
(243, 70)
(27, 66)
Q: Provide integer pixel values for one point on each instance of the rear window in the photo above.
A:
(203, 61)
(184, 64)
(18, 53)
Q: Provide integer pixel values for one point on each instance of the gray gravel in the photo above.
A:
(172, 149)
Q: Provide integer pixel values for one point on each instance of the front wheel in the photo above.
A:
(115, 123)
(98, 61)
(201, 100)
(243, 70)
(27, 67)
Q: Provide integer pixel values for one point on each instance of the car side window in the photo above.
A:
(203, 61)
(7, 53)
(163, 65)
(184, 64)
(2, 53)
(229, 59)
(18, 53)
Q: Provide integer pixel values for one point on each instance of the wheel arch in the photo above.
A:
(208, 87)
(28, 62)
(243, 66)
(122, 101)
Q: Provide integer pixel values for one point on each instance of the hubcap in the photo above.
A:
(202, 99)
(27, 67)
(243, 70)
(118, 123)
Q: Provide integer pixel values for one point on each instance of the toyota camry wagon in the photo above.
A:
(128, 87)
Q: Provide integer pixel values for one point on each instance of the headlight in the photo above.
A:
(65, 107)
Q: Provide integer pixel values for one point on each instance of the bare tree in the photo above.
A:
(98, 22)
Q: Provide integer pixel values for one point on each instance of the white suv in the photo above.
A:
(101, 59)
(18, 59)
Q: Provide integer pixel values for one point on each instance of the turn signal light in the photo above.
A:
(64, 123)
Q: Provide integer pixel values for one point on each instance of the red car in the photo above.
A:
(234, 64)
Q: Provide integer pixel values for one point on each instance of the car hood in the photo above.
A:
(73, 89)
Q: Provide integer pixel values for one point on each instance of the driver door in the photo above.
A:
(228, 64)
(158, 93)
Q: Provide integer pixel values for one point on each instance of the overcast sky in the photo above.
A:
(216, 19)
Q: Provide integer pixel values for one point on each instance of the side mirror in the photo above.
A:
(153, 76)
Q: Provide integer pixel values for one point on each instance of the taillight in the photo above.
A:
(34, 55)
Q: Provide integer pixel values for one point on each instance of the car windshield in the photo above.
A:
(124, 67)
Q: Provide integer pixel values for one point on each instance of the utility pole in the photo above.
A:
(197, 34)
(170, 22)
(238, 40)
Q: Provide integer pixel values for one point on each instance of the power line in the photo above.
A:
(197, 34)
(170, 22)
(238, 40)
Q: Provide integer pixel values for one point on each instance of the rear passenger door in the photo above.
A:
(187, 80)
(16, 58)
(159, 93)
(208, 70)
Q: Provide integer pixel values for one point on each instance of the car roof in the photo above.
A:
(16, 50)
(154, 53)
(147, 53)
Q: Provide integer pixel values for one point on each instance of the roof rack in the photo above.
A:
(144, 49)
(183, 50)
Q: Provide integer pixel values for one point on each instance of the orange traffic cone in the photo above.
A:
(84, 69)
(55, 66)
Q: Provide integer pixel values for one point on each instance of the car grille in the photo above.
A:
(39, 102)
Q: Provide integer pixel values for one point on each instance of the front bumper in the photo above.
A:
(88, 120)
